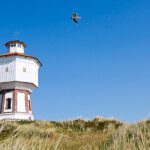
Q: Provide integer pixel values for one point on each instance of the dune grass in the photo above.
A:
(96, 134)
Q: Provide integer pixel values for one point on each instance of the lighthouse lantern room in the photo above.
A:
(18, 79)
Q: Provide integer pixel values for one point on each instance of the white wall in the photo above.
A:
(29, 97)
(21, 102)
(31, 74)
(7, 62)
(15, 65)
(16, 49)
(16, 116)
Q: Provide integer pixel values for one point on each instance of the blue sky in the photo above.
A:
(100, 67)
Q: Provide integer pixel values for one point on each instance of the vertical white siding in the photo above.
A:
(15, 65)
(31, 74)
(21, 102)
(8, 62)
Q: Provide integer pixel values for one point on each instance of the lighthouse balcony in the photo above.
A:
(18, 85)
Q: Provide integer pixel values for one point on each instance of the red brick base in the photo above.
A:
(14, 99)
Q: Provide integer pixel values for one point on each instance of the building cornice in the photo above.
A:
(19, 82)
(22, 55)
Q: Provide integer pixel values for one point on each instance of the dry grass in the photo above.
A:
(132, 137)
(97, 134)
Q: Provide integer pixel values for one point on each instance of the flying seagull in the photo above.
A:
(75, 18)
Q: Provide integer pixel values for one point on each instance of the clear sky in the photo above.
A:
(100, 67)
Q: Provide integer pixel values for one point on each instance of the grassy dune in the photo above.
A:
(97, 134)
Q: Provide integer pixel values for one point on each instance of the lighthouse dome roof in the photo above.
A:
(14, 42)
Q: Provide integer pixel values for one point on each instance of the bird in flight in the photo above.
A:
(75, 18)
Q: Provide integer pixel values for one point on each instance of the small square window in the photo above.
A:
(24, 70)
(6, 69)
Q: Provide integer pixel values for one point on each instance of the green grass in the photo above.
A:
(96, 134)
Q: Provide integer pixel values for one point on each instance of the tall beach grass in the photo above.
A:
(96, 134)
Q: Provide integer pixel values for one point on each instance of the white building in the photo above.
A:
(18, 78)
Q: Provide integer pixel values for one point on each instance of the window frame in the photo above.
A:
(6, 108)
(6, 69)
(24, 69)
(29, 102)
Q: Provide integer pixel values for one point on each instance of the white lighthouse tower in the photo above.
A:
(18, 78)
